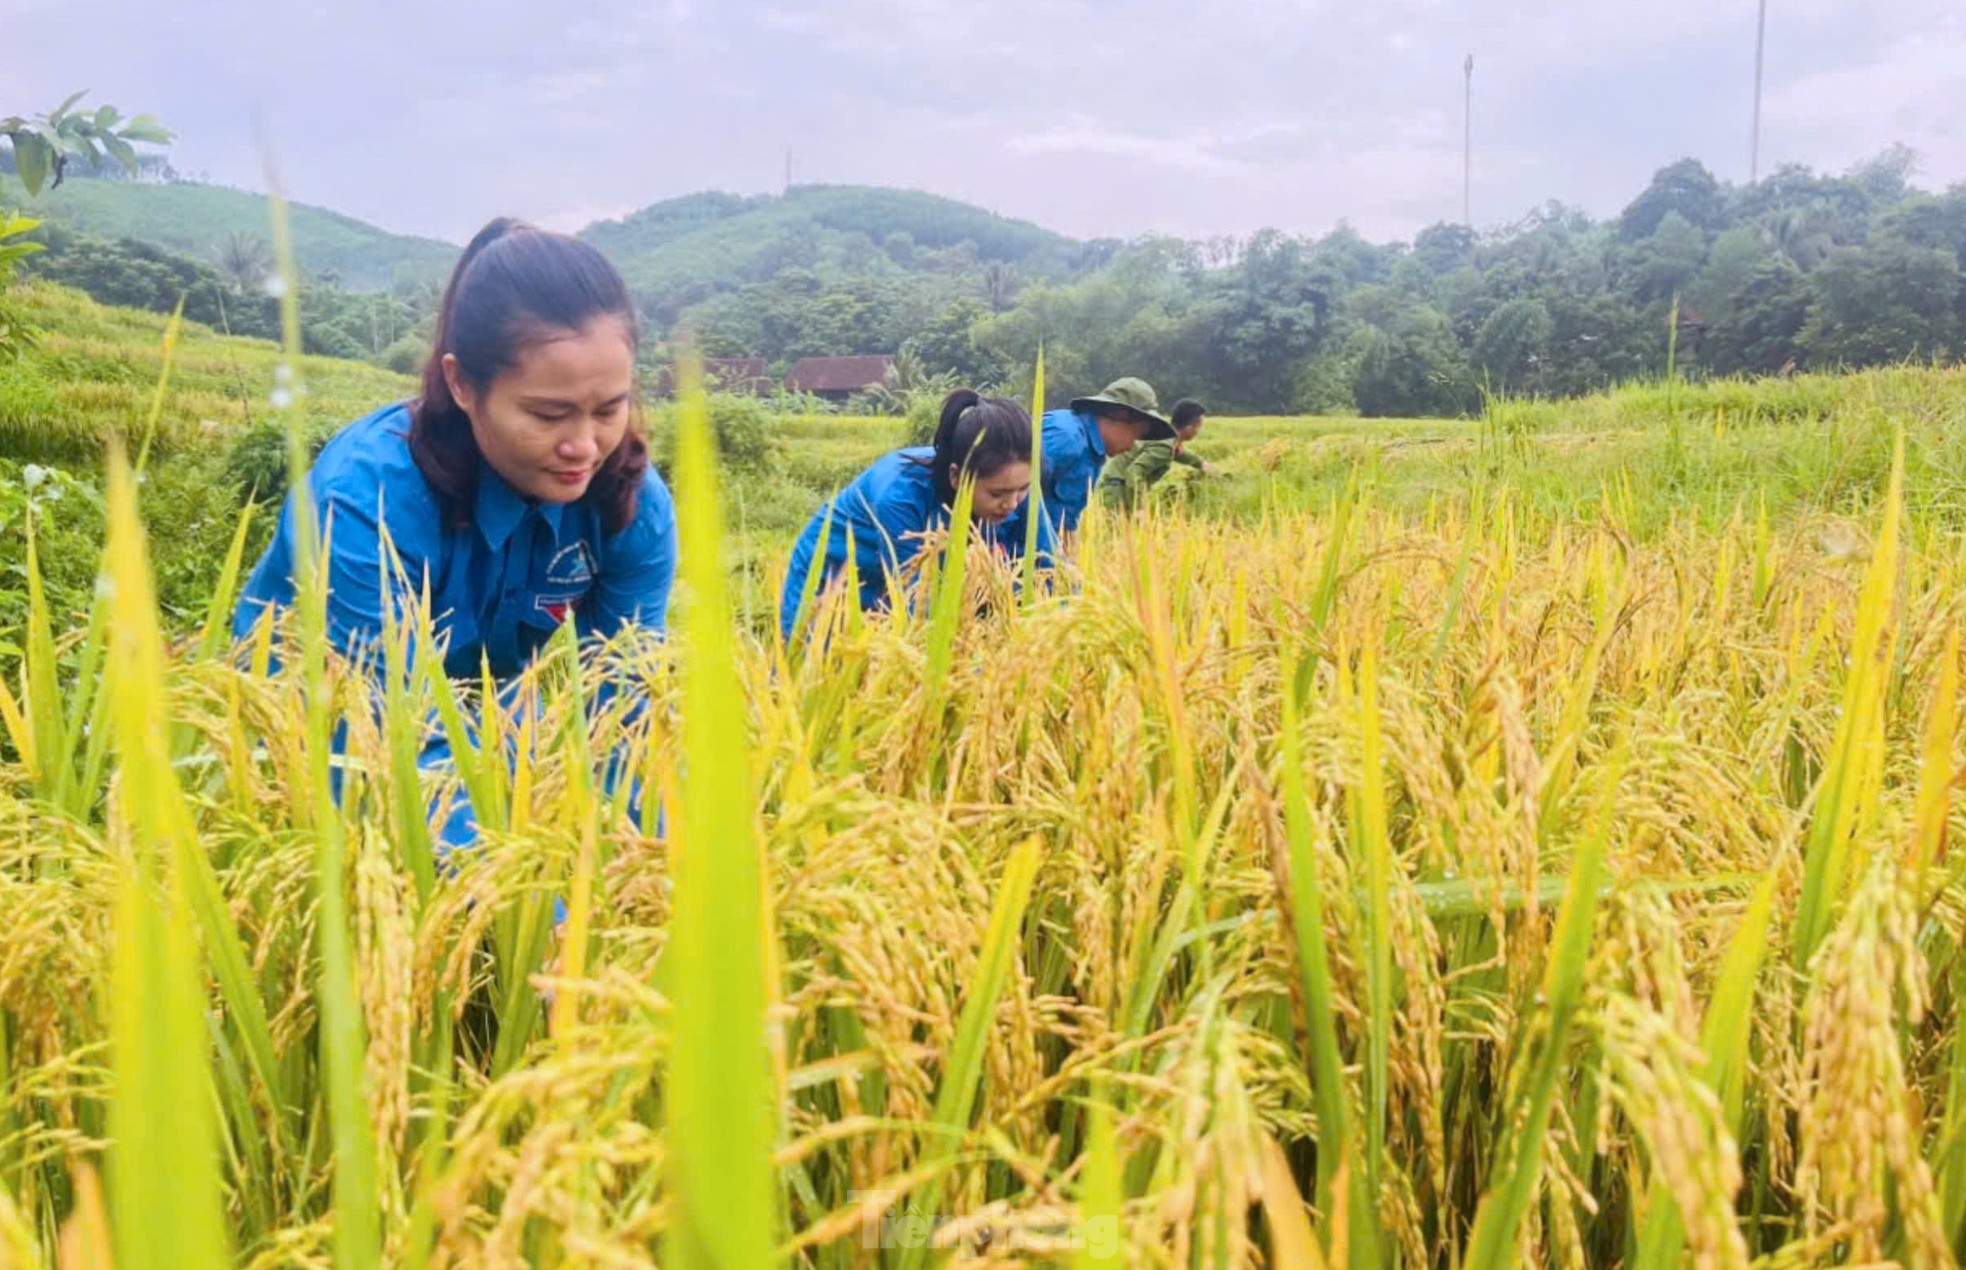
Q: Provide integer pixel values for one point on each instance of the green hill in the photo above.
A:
(684, 250)
(674, 253)
(195, 219)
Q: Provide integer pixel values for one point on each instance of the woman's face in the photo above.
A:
(998, 494)
(547, 424)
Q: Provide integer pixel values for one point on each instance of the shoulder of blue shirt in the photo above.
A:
(902, 484)
(367, 467)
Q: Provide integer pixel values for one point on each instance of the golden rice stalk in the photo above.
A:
(962, 1070)
(1849, 773)
(1505, 1201)
(1861, 1164)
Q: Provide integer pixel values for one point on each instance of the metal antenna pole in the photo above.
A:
(1467, 144)
(1754, 143)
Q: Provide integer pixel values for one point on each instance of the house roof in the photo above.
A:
(839, 374)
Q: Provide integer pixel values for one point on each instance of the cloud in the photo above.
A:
(1192, 153)
(1909, 91)
(1096, 117)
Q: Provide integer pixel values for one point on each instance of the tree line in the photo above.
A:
(230, 292)
(1799, 271)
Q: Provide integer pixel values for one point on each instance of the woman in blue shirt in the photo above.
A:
(514, 485)
(878, 522)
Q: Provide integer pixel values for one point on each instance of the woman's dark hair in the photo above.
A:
(514, 286)
(1186, 412)
(981, 435)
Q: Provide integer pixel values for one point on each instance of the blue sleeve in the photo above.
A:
(1015, 531)
(886, 542)
(356, 586)
(1066, 491)
(356, 524)
(638, 570)
(1047, 540)
(1070, 468)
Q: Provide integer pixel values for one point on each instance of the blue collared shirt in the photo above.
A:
(1074, 452)
(879, 520)
(498, 587)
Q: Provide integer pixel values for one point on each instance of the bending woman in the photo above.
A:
(878, 522)
(514, 485)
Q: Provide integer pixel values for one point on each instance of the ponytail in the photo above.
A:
(978, 435)
(513, 285)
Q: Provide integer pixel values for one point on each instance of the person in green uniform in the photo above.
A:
(1129, 476)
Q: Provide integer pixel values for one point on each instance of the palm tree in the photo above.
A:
(908, 379)
(1799, 235)
(999, 286)
(246, 260)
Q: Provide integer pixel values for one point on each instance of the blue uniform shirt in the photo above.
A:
(883, 515)
(499, 588)
(1074, 452)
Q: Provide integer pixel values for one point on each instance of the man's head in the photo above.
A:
(1128, 413)
(1187, 418)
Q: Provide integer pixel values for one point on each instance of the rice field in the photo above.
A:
(1453, 855)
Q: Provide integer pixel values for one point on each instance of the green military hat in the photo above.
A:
(1135, 396)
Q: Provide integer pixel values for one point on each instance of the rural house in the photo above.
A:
(839, 378)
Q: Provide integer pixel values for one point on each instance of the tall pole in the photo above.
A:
(1467, 144)
(1754, 143)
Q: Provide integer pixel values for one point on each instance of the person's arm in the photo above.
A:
(1188, 458)
(1150, 461)
(886, 542)
(376, 565)
(1067, 488)
(638, 570)
(1114, 488)
(1015, 532)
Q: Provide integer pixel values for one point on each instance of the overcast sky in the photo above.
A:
(1119, 118)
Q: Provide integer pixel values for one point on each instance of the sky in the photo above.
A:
(1097, 118)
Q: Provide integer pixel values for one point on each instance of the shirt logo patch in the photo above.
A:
(572, 566)
(557, 607)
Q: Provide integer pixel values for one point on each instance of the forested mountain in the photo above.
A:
(198, 220)
(683, 251)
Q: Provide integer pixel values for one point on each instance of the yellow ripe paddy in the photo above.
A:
(1431, 845)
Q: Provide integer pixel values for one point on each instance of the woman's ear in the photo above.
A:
(955, 476)
(460, 390)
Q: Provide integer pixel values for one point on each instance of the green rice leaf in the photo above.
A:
(720, 1100)
(164, 1164)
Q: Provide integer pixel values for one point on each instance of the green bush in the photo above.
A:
(255, 464)
(406, 355)
(745, 429)
(68, 522)
(924, 412)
